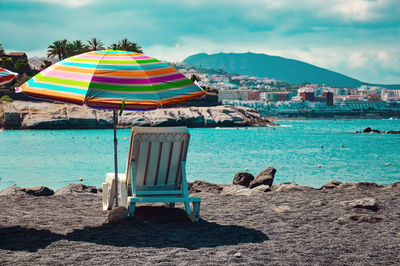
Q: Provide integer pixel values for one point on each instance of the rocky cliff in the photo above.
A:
(43, 115)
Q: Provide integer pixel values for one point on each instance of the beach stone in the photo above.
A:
(361, 218)
(289, 187)
(203, 186)
(11, 190)
(38, 191)
(367, 130)
(76, 188)
(353, 185)
(396, 185)
(116, 214)
(236, 190)
(266, 177)
(262, 188)
(243, 179)
(238, 255)
(331, 184)
(365, 203)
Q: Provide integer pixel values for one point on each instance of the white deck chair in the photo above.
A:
(155, 172)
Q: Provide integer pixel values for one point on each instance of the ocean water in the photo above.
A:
(55, 158)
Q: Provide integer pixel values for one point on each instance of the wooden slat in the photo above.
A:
(177, 180)
(171, 146)
(158, 163)
(164, 160)
(146, 171)
(141, 161)
(174, 165)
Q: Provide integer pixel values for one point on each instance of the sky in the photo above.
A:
(358, 38)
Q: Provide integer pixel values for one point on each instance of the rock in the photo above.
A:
(11, 190)
(289, 187)
(266, 177)
(238, 255)
(38, 191)
(396, 185)
(393, 132)
(331, 184)
(244, 191)
(365, 203)
(243, 179)
(117, 214)
(20, 114)
(262, 188)
(353, 185)
(203, 186)
(367, 130)
(236, 190)
(280, 209)
(76, 188)
(361, 218)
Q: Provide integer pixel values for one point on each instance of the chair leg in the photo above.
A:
(196, 210)
(108, 196)
(187, 207)
(131, 210)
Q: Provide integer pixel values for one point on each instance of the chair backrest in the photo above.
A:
(157, 155)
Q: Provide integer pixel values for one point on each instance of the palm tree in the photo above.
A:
(58, 48)
(1, 50)
(126, 45)
(95, 44)
(77, 47)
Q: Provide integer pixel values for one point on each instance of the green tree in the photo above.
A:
(45, 64)
(58, 49)
(126, 45)
(195, 77)
(22, 66)
(76, 47)
(7, 63)
(95, 44)
(1, 50)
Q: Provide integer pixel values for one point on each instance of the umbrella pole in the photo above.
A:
(115, 156)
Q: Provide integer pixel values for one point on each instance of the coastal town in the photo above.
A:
(277, 98)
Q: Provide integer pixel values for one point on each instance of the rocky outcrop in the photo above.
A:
(76, 188)
(371, 130)
(243, 179)
(203, 186)
(266, 177)
(34, 191)
(44, 115)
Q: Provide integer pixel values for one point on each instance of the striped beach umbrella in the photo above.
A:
(6, 76)
(109, 79)
(115, 80)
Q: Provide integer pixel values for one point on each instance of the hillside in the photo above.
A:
(262, 65)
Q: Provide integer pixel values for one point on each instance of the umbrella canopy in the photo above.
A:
(6, 76)
(113, 80)
(106, 79)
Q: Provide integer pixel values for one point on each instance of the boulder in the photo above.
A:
(396, 185)
(331, 184)
(11, 190)
(236, 190)
(365, 203)
(116, 214)
(38, 191)
(243, 179)
(203, 186)
(361, 218)
(353, 185)
(289, 187)
(266, 177)
(76, 188)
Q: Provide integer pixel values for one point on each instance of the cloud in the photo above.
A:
(344, 36)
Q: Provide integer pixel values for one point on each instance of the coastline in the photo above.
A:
(45, 115)
(357, 225)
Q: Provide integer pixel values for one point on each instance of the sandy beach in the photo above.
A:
(293, 226)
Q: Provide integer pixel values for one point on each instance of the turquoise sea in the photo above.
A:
(55, 158)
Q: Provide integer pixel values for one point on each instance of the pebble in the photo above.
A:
(238, 255)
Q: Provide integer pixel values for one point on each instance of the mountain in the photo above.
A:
(279, 68)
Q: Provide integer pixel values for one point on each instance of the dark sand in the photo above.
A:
(290, 227)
